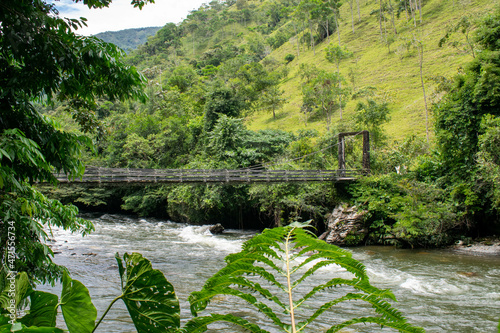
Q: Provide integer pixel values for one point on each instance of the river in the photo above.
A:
(439, 290)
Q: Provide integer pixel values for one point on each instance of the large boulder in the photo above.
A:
(345, 226)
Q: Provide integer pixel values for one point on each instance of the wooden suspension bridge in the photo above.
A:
(141, 176)
(147, 176)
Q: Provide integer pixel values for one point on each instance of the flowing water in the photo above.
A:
(440, 290)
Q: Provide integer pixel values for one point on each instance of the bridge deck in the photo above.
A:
(110, 175)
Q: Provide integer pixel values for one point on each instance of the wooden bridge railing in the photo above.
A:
(110, 175)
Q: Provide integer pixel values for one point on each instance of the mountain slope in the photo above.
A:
(128, 39)
(382, 59)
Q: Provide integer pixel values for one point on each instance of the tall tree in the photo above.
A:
(420, 48)
(42, 58)
(272, 99)
(322, 90)
(335, 54)
(334, 5)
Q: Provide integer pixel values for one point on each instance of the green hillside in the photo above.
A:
(393, 70)
(128, 39)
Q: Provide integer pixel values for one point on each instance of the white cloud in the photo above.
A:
(122, 15)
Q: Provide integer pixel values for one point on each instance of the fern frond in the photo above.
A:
(380, 306)
(199, 301)
(400, 326)
(245, 258)
(199, 324)
(291, 253)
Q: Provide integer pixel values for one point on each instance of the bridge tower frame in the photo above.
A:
(366, 149)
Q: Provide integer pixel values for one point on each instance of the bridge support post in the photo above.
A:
(366, 151)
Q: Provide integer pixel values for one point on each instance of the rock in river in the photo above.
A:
(216, 229)
(345, 226)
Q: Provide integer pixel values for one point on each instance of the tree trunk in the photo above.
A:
(312, 38)
(420, 9)
(328, 31)
(351, 4)
(297, 37)
(392, 18)
(340, 89)
(359, 13)
(412, 9)
(380, 20)
(337, 25)
(420, 48)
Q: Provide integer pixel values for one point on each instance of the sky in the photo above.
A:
(122, 15)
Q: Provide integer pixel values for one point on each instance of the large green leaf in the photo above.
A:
(76, 306)
(23, 329)
(149, 297)
(6, 327)
(43, 310)
(22, 290)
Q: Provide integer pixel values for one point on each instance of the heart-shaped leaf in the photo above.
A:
(43, 310)
(149, 297)
(76, 306)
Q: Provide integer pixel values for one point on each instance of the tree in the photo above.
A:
(304, 12)
(335, 54)
(475, 93)
(465, 26)
(371, 116)
(221, 100)
(324, 91)
(42, 58)
(420, 47)
(272, 99)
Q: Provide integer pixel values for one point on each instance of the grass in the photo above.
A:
(396, 75)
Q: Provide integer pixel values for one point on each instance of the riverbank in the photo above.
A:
(482, 246)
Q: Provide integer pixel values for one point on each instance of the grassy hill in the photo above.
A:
(392, 68)
(395, 74)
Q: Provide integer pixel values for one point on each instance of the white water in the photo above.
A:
(439, 290)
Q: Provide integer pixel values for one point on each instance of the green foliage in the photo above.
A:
(221, 100)
(289, 58)
(489, 160)
(335, 54)
(371, 116)
(78, 311)
(128, 39)
(76, 306)
(271, 268)
(44, 59)
(285, 203)
(323, 91)
(408, 212)
(149, 297)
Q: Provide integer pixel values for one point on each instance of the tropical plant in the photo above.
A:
(282, 257)
(71, 68)
(271, 268)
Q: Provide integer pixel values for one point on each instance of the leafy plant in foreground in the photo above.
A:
(284, 258)
(281, 257)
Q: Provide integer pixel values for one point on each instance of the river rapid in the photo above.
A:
(439, 290)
